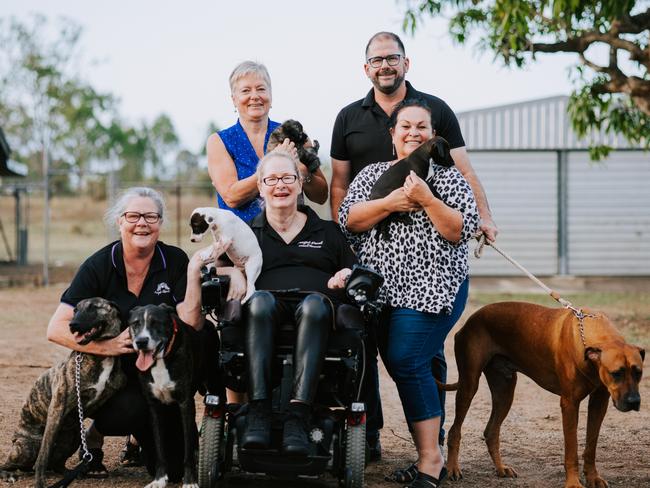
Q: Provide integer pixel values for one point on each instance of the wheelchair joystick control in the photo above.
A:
(363, 284)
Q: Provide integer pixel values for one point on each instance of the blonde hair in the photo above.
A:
(249, 68)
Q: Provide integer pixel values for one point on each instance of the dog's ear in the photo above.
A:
(592, 354)
(114, 305)
(167, 308)
(441, 154)
(642, 352)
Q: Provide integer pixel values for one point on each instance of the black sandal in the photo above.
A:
(406, 475)
(423, 480)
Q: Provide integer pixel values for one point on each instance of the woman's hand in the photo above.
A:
(118, 345)
(237, 289)
(417, 190)
(339, 279)
(289, 148)
(398, 201)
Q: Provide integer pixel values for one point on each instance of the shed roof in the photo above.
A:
(541, 124)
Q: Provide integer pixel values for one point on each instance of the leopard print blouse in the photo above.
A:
(422, 270)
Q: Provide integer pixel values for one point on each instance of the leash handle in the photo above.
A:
(70, 475)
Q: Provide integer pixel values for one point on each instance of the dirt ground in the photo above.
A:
(532, 439)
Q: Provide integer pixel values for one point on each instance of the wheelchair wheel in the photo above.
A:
(210, 451)
(355, 456)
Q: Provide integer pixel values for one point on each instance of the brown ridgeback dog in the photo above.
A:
(546, 345)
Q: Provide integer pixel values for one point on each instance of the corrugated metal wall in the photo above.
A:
(514, 149)
(522, 189)
(609, 214)
(532, 125)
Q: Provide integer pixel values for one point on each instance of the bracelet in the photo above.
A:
(308, 178)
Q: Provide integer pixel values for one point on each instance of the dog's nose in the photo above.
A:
(633, 401)
(141, 343)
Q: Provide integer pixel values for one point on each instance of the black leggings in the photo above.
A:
(313, 319)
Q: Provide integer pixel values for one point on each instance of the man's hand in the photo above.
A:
(339, 279)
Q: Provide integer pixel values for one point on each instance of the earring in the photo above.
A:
(235, 110)
(394, 151)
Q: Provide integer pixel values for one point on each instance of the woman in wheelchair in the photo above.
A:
(311, 259)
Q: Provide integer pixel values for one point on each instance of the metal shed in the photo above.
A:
(558, 212)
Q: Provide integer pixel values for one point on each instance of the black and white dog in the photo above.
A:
(232, 236)
(48, 432)
(171, 367)
(435, 151)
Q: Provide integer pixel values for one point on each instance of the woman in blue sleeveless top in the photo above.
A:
(233, 153)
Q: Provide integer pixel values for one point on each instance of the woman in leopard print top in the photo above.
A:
(424, 263)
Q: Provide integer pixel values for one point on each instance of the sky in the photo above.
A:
(175, 57)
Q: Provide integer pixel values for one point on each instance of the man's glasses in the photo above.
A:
(134, 217)
(273, 180)
(391, 59)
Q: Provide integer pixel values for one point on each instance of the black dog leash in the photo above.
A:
(84, 466)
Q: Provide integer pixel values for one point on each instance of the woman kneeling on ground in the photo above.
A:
(135, 270)
(301, 251)
(424, 264)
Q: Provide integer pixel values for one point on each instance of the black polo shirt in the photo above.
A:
(103, 275)
(308, 261)
(361, 136)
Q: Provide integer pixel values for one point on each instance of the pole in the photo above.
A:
(46, 217)
(178, 213)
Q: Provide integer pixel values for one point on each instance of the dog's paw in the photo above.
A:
(506, 472)
(596, 482)
(7, 476)
(454, 472)
(159, 483)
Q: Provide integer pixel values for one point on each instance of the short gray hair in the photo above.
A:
(249, 68)
(278, 153)
(116, 210)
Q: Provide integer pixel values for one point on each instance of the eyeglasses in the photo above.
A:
(134, 217)
(391, 59)
(273, 180)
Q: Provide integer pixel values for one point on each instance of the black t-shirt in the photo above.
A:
(103, 275)
(308, 261)
(361, 136)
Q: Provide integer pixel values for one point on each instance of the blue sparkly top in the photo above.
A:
(243, 154)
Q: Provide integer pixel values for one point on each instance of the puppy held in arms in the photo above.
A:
(232, 236)
(292, 130)
(421, 161)
(48, 432)
(171, 368)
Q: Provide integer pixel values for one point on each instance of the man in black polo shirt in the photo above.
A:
(360, 137)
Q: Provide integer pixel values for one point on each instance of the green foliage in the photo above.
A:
(606, 98)
(44, 102)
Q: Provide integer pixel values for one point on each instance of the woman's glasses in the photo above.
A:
(273, 180)
(134, 217)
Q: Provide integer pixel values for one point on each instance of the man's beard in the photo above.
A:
(388, 89)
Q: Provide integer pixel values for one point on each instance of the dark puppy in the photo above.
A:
(48, 432)
(171, 368)
(420, 161)
(292, 130)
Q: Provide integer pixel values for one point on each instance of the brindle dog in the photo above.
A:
(48, 432)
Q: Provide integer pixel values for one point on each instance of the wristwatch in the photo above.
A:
(308, 178)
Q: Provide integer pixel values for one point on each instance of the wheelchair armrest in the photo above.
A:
(349, 317)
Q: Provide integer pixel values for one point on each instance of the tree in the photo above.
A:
(613, 97)
(44, 105)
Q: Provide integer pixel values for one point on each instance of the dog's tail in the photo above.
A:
(446, 386)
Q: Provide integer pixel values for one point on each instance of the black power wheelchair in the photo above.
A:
(337, 428)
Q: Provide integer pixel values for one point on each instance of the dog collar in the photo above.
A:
(170, 345)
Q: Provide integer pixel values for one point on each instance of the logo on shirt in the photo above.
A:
(311, 244)
(162, 288)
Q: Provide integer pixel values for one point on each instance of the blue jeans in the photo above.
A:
(415, 338)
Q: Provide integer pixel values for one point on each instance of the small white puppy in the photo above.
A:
(231, 234)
